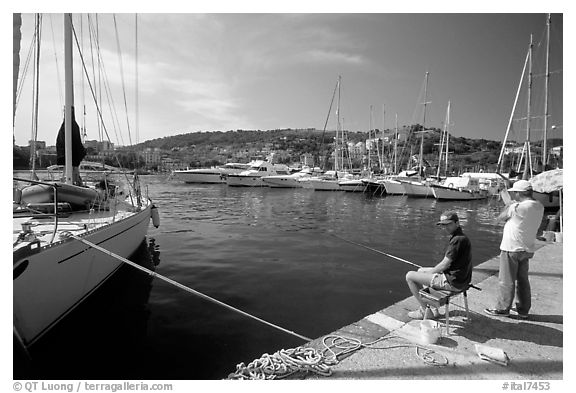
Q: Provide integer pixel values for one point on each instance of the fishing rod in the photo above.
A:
(388, 255)
(375, 250)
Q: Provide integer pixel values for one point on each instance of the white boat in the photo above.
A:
(209, 175)
(459, 188)
(252, 177)
(393, 187)
(353, 185)
(329, 181)
(491, 182)
(54, 266)
(419, 189)
(287, 181)
(88, 168)
(374, 186)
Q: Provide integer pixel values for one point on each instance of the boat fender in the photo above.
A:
(451, 185)
(155, 216)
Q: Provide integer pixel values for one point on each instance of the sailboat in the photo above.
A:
(455, 188)
(55, 224)
(329, 181)
(549, 200)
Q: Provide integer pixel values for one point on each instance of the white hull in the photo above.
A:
(193, 176)
(446, 193)
(282, 182)
(245, 181)
(394, 187)
(419, 190)
(322, 185)
(352, 185)
(51, 282)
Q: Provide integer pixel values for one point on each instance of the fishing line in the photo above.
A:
(375, 250)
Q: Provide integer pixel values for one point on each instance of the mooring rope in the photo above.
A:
(287, 362)
(184, 287)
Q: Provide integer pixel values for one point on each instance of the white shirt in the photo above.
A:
(524, 219)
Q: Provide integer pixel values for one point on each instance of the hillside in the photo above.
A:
(206, 148)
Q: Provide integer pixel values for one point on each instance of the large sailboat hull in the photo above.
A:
(50, 281)
(394, 187)
(418, 190)
(356, 185)
(447, 193)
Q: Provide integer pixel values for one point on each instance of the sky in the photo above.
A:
(228, 71)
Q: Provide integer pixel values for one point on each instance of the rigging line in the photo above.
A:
(36, 94)
(122, 77)
(24, 72)
(94, 94)
(184, 287)
(59, 84)
(93, 69)
(106, 89)
(375, 250)
(327, 117)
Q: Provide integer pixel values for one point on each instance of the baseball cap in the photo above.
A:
(521, 185)
(447, 217)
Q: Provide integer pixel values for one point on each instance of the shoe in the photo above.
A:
(496, 313)
(420, 314)
(518, 315)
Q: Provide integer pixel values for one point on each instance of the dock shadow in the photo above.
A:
(482, 329)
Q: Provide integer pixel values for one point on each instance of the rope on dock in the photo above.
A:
(184, 287)
(287, 362)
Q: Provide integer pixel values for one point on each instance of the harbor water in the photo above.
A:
(278, 254)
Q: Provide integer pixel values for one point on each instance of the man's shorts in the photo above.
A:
(439, 281)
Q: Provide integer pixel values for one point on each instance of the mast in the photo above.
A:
(136, 75)
(527, 166)
(395, 144)
(442, 140)
(447, 137)
(500, 160)
(370, 140)
(337, 147)
(547, 81)
(69, 95)
(423, 124)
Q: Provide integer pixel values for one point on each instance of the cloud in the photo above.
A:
(332, 56)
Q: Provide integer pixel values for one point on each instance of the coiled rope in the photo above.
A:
(287, 362)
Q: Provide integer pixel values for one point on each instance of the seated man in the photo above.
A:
(453, 273)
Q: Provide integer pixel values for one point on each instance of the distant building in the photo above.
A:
(152, 156)
(99, 146)
(307, 159)
(39, 145)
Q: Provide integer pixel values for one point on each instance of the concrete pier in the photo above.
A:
(534, 346)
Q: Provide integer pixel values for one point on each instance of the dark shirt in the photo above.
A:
(459, 250)
(78, 150)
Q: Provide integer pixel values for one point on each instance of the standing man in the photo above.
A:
(453, 273)
(522, 219)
